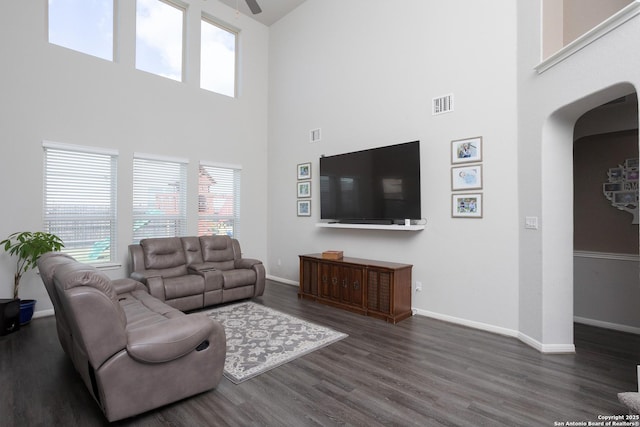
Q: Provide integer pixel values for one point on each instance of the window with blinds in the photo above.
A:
(80, 200)
(219, 200)
(159, 197)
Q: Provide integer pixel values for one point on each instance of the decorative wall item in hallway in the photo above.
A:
(622, 188)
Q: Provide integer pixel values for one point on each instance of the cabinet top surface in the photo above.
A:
(359, 261)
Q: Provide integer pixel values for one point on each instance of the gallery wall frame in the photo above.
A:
(304, 170)
(466, 205)
(304, 208)
(466, 177)
(304, 189)
(466, 150)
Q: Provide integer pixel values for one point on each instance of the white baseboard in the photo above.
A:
(547, 348)
(43, 313)
(607, 325)
(281, 280)
(465, 322)
(544, 348)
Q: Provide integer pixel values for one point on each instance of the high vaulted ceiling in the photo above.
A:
(272, 10)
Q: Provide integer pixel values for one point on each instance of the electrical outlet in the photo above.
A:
(418, 286)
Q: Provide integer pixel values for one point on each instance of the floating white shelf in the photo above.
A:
(371, 226)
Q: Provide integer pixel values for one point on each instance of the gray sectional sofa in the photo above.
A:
(189, 273)
(133, 352)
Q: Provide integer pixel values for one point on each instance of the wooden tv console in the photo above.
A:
(373, 288)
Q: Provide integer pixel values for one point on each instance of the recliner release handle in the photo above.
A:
(203, 345)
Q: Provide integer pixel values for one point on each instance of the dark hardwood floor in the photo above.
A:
(420, 372)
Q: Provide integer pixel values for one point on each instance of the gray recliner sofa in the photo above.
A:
(190, 273)
(133, 352)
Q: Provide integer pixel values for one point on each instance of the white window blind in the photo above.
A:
(159, 197)
(219, 200)
(80, 200)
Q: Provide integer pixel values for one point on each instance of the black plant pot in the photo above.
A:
(9, 316)
(26, 310)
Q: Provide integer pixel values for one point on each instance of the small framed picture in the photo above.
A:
(304, 171)
(625, 197)
(304, 207)
(615, 174)
(466, 205)
(466, 150)
(466, 177)
(304, 189)
(611, 187)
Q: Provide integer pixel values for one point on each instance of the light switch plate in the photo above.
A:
(531, 222)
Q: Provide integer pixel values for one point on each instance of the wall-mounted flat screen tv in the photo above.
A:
(379, 185)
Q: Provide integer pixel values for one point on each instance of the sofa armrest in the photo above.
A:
(246, 263)
(164, 341)
(200, 268)
(121, 286)
(155, 284)
(138, 277)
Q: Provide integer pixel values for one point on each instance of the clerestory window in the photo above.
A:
(160, 38)
(217, 58)
(84, 26)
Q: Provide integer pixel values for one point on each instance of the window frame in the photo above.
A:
(111, 217)
(237, 195)
(182, 7)
(205, 18)
(181, 218)
(113, 52)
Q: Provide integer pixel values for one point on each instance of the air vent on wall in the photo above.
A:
(314, 135)
(442, 104)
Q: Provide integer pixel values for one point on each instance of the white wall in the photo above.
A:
(582, 15)
(365, 71)
(52, 93)
(549, 105)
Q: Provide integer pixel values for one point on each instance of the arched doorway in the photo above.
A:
(556, 288)
(606, 240)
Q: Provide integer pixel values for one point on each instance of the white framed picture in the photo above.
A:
(304, 207)
(466, 150)
(466, 177)
(466, 205)
(304, 189)
(304, 170)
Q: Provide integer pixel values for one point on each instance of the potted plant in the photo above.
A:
(28, 247)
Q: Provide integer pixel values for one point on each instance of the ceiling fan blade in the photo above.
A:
(253, 5)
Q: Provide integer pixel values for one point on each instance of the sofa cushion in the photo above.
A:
(218, 251)
(183, 286)
(237, 278)
(142, 309)
(192, 250)
(164, 253)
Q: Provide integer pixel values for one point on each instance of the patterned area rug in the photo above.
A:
(260, 338)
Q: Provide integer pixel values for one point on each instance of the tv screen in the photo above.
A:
(379, 185)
